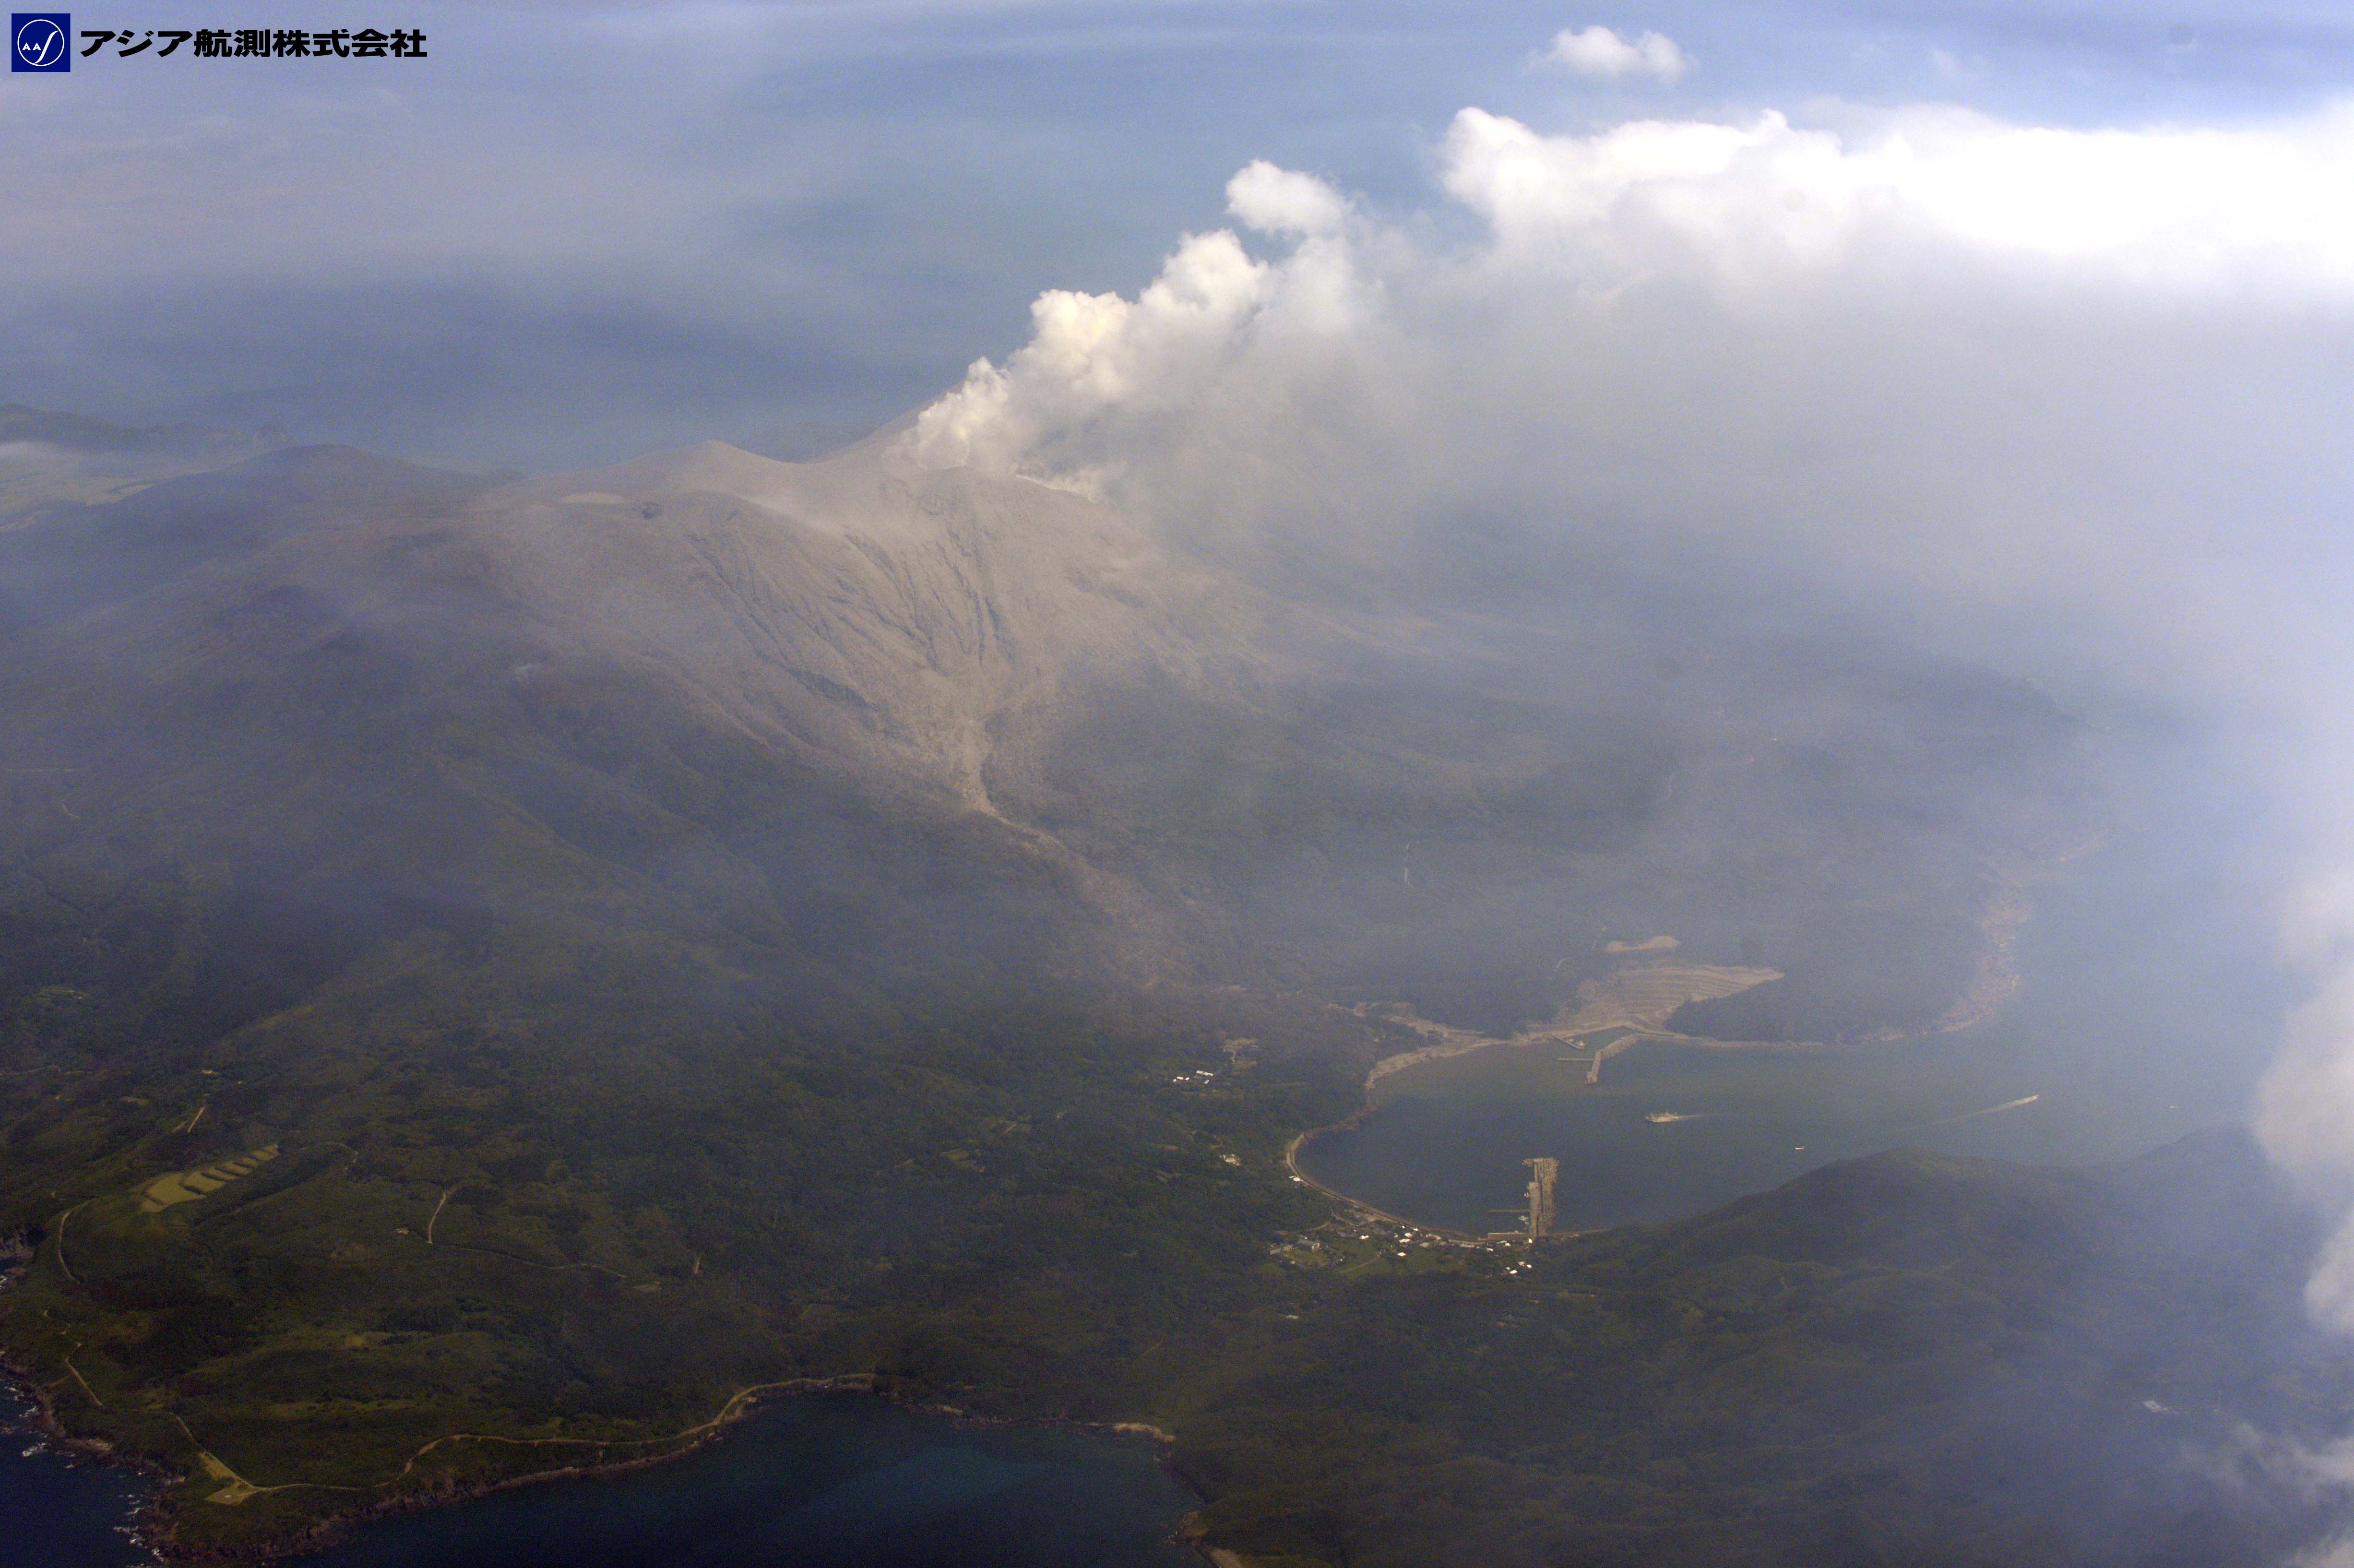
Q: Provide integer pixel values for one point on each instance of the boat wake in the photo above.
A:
(1989, 1110)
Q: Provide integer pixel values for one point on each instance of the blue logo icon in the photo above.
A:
(37, 41)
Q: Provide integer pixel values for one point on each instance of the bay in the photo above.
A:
(819, 1482)
(2149, 1003)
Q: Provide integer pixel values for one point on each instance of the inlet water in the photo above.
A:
(827, 1482)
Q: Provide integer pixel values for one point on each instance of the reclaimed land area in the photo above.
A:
(1611, 1014)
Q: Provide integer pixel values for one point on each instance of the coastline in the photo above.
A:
(162, 1546)
(1292, 1163)
(1995, 982)
(165, 1548)
(15, 1259)
(1631, 1003)
(739, 1407)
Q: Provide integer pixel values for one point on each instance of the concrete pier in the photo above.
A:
(1543, 1173)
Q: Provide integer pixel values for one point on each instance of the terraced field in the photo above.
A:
(187, 1186)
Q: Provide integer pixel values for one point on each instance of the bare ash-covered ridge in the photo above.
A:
(913, 629)
(919, 640)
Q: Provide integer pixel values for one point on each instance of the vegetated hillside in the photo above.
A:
(583, 1256)
(712, 920)
(1902, 1360)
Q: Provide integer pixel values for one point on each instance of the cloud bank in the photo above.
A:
(1985, 362)
(2066, 398)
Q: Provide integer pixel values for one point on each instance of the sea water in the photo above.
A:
(55, 1507)
(819, 1482)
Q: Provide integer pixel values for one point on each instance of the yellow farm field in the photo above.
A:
(186, 1186)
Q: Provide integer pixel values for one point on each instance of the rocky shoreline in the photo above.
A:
(16, 1254)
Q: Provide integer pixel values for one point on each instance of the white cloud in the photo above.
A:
(2007, 376)
(2176, 258)
(1280, 201)
(1600, 52)
(2169, 206)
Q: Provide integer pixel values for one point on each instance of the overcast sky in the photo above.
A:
(575, 233)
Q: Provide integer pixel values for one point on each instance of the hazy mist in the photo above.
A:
(1461, 491)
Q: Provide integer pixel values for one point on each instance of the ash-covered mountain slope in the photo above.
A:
(864, 721)
(1359, 797)
(910, 632)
